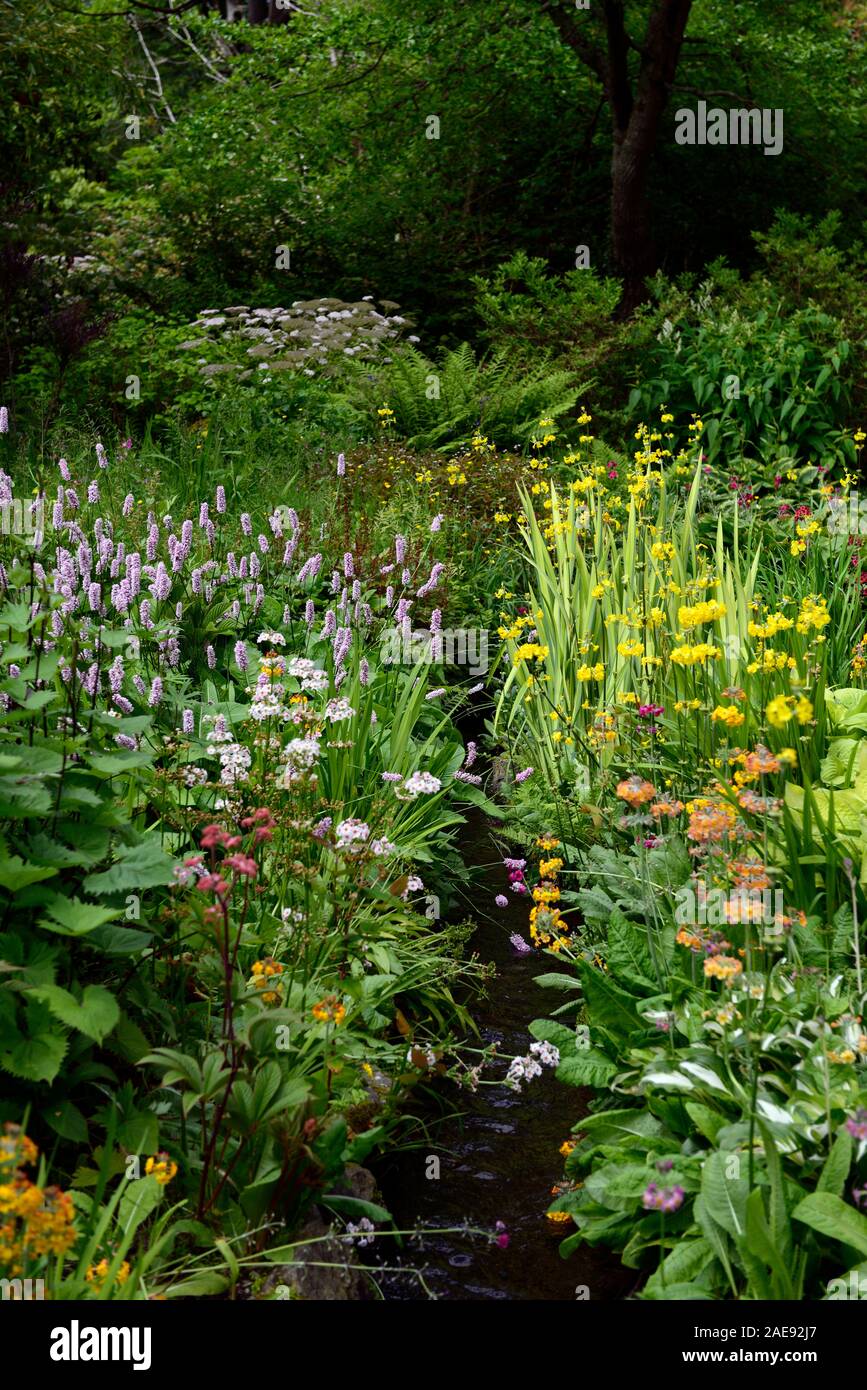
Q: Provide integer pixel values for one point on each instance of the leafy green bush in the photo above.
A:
(437, 403)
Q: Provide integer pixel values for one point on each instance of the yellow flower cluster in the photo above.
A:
(690, 617)
(694, 654)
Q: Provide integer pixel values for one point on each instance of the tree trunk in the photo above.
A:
(257, 11)
(636, 115)
(636, 132)
(632, 245)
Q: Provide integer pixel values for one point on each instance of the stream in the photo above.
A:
(499, 1158)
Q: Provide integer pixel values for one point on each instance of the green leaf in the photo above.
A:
(725, 1197)
(15, 874)
(608, 1006)
(761, 1245)
(118, 764)
(708, 1122)
(553, 980)
(145, 865)
(836, 1170)
(355, 1207)
(686, 1263)
(115, 940)
(139, 1199)
(37, 1058)
(832, 1217)
(614, 1126)
(205, 1285)
(546, 1030)
(66, 1120)
(72, 917)
(627, 955)
(586, 1067)
(128, 1040)
(618, 1186)
(716, 1237)
(95, 1016)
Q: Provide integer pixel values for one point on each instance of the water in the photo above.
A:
(500, 1159)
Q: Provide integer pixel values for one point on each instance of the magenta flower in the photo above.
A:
(664, 1199)
(857, 1124)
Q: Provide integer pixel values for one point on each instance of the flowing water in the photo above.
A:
(500, 1158)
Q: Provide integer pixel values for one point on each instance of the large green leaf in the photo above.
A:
(608, 1006)
(15, 874)
(37, 1058)
(725, 1193)
(832, 1217)
(95, 1015)
(627, 954)
(684, 1265)
(72, 917)
(833, 1176)
(586, 1067)
(145, 865)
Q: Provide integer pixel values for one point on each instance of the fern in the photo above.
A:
(441, 403)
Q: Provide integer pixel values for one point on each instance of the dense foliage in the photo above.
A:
(355, 486)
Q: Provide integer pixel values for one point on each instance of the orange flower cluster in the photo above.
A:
(635, 791)
(263, 972)
(710, 821)
(34, 1221)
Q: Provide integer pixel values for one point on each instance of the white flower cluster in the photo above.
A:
(352, 835)
(338, 709)
(382, 847)
(308, 673)
(525, 1068)
(417, 783)
(235, 762)
(360, 1233)
(301, 755)
(311, 335)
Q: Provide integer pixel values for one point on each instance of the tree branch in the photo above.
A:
(570, 32)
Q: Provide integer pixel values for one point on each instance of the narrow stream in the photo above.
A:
(500, 1159)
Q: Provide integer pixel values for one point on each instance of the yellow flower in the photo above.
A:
(779, 711)
(729, 715)
(329, 1010)
(96, 1274)
(694, 655)
(163, 1168)
(689, 617)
